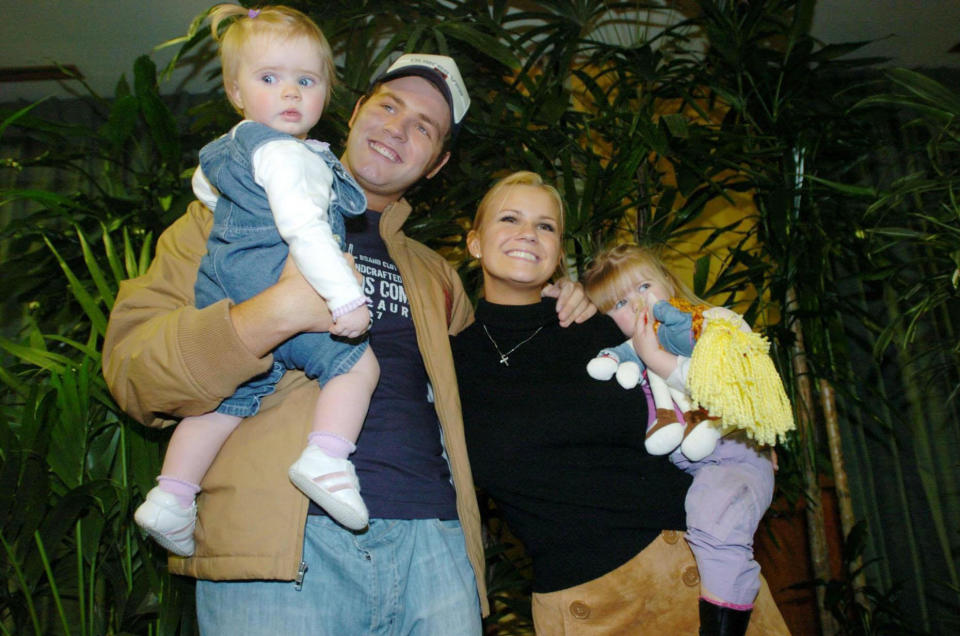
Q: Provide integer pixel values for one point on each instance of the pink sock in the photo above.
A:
(719, 603)
(184, 491)
(332, 444)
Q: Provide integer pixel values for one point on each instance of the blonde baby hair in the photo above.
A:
(276, 22)
(617, 270)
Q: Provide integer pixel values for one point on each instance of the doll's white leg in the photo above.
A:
(700, 439)
(701, 432)
(682, 401)
(666, 433)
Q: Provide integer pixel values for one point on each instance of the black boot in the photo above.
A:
(722, 621)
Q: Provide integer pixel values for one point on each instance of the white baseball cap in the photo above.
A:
(439, 70)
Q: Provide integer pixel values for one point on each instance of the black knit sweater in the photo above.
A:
(561, 453)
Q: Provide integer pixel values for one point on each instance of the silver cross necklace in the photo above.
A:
(505, 357)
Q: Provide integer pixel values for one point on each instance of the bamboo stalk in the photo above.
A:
(828, 404)
(817, 536)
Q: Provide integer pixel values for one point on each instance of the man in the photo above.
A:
(265, 565)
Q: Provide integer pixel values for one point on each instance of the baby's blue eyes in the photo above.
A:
(621, 304)
(303, 82)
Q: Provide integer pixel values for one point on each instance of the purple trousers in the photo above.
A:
(731, 490)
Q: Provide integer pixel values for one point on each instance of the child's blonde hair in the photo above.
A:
(495, 196)
(616, 271)
(272, 21)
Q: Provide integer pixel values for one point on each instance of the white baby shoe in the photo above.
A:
(167, 522)
(331, 482)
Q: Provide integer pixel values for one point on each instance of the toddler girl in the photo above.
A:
(732, 485)
(274, 192)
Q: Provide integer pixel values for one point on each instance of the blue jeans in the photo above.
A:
(399, 577)
(245, 255)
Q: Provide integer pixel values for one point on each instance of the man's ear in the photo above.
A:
(441, 162)
(356, 109)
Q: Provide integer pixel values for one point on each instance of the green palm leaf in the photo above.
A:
(89, 305)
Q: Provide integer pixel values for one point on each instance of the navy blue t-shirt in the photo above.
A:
(400, 463)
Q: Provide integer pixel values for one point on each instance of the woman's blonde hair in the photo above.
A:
(272, 21)
(495, 196)
(616, 271)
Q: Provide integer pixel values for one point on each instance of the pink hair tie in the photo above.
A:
(252, 13)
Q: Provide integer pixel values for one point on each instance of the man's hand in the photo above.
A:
(573, 306)
(302, 300)
(286, 308)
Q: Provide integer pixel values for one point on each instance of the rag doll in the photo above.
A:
(724, 381)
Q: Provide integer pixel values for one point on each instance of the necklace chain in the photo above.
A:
(505, 357)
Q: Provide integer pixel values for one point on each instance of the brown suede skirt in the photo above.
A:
(655, 592)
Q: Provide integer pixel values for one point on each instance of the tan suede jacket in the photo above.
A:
(164, 359)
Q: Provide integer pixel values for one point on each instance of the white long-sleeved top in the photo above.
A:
(297, 183)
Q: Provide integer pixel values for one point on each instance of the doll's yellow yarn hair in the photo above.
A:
(732, 376)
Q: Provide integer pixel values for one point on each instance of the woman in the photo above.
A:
(563, 455)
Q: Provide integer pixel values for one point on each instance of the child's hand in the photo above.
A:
(644, 336)
(352, 324)
(649, 300)
(648, 347)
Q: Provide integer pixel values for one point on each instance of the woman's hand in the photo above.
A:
(573, 306)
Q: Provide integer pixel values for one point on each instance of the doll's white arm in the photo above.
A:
(604, 366)
(297, 183)
(610, 362)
